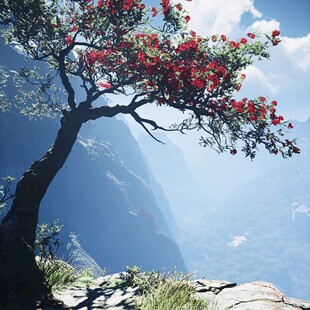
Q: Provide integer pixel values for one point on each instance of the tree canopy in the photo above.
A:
(150, 54)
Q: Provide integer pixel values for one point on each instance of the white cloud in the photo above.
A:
(264, 26)
(218, 17)
(255, 75)
(298, 51)
(238, 240)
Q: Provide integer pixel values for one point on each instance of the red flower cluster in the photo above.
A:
(155, 12)
(275, 40)
(251, 35)
(234, 45)
(69, 40)
(238, 106)
(166, 6)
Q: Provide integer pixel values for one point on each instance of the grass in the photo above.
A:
(171, 294)
(164, 292)
(57, 273)
(157, 292)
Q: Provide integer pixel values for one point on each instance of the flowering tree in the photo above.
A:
(123, 47)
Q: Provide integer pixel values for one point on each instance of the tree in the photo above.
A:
(122, 47)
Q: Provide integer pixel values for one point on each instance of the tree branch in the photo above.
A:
(65, 81)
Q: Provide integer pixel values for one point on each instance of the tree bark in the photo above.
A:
(21, 282)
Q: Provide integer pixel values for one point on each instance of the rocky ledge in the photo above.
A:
(221, 295)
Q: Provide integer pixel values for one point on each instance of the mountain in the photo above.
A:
(260, 231)
(103, 192)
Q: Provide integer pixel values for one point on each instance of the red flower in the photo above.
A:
(238, 87)
(251, 35)
(233, 152)
(73, 29)
(277, 120)
(105, 85)
(223, 37)
(69, 40)
(290, 126)
(251, 107)
(275, 42)
(187, 18)
(243, 41)
(155, 12)
(296, 150)
(275, 33)
(179, 6)
(233, 44)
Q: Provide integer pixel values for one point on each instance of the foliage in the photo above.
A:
(47, 241)
(145, 281)
(5, 191)
(123, 47)
(4, 76)
(57, 273)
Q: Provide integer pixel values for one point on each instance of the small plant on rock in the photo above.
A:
(57, 273)
(145, 281)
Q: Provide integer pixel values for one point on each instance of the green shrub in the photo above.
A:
(146, 281)
(47, 242)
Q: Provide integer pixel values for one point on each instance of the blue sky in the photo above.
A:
(294, 16)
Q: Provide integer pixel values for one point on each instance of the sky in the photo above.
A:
(285, 77)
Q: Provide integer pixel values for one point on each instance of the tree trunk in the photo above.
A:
(21, 282)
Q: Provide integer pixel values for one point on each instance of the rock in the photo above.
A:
(107, 293)
(102, 293)
(255, 295)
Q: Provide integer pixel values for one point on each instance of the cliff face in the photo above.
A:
(102, 193)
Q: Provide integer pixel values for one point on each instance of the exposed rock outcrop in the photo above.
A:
(254, 295)
(222, 295)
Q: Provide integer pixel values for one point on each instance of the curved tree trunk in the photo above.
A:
(21, 281)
